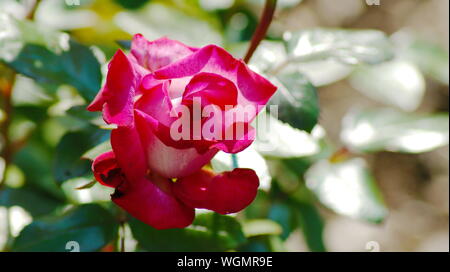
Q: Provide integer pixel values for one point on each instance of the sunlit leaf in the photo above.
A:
(15, 34)
(77, 67)
(431, 59)
(91, 226)
(48, 56)
(209, 232)
(92, 153)
(92, 192)
(258, 227)
(396, 83)
(347, 188)
(387, 129)
(346, 46)
(297, 101)
(277, 139)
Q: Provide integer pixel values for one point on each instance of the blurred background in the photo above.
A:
(359, 161)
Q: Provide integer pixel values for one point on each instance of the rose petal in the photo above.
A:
(154, 204)
(253, 88)
(116, 97)
(156, 103)
(210, 58)
(241, 136)
(211, 89)
(158, 53)
(106, 170)
(166, 160)
(228, 192)
(129, 153)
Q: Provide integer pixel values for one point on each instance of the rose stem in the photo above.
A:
(258, 36)
(261, 29)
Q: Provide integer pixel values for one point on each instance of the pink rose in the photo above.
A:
(158, 172)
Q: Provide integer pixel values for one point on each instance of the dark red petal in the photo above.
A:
(154, 204)
(228, 192)
(107, 171)
(129, 152)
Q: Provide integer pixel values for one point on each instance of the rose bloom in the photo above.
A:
(158, 179)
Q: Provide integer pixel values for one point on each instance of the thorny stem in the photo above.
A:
(261, 30)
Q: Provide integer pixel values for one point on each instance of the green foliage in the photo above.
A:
(68, 161)
(387, 129)
(297, 101)
(347, 188)
(50, 57)
(397, 83)
(36, 202)
(209, 232)
(90, 225)
(346, 46)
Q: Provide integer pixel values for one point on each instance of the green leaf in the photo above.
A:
(14, 34)
(77, 67)
(49, 57)
(132, 4)
(347, 188)
(261, 227)
(346, 46)
(92, 153)
(97, 193)
(35, 161)
(68, 156)
(311, 225)
(125, 44)
(279, 140)
(91, 226)
(396, 83)
(387, 129)
(431, 59)
(209, 232)
(282, 214)
(297, 101)
(32, 200)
